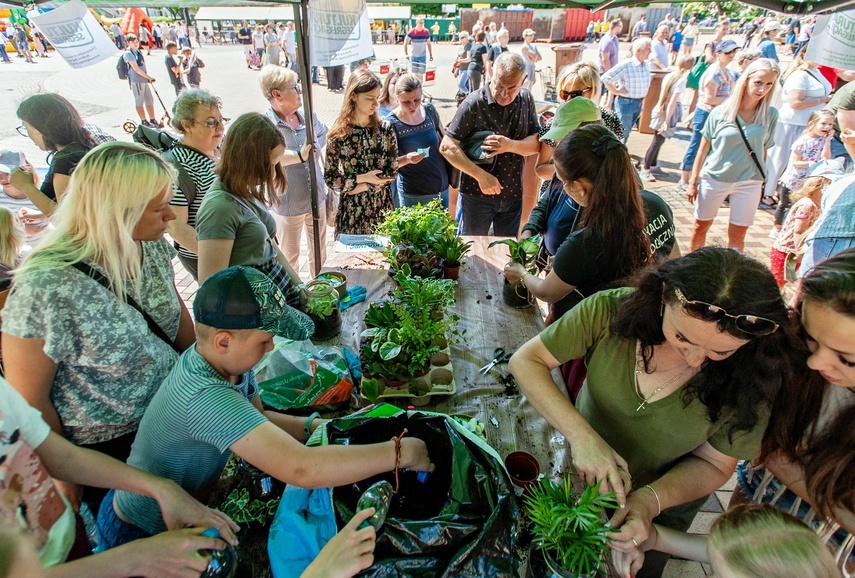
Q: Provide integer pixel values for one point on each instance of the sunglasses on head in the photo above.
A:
(571, 94)
(750, 324)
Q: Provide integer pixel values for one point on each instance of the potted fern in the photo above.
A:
(523, 252)
(569, 533)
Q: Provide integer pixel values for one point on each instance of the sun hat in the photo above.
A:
(726, 46)
(245, 298)
(570, 115)
(772, 25)
(528, 32)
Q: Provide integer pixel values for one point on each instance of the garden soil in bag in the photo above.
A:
(461, 522)
(300, 377)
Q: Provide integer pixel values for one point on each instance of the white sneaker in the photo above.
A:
(645, 175)
(683, 186)
(773, 234)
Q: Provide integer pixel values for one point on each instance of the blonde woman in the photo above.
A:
(362, 157)
(388, 94)
(11, 241)
(76, 343)
(732, 154)
(666, 115)
(575, 80)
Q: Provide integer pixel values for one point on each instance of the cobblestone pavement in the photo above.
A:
(106, 101)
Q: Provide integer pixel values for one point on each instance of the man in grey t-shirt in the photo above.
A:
(139, 81)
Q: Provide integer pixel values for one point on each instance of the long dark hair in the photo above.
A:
(743, 385)
(827, 454)
(360, 82)
(57, 120)
(614, 213)
(244, 168)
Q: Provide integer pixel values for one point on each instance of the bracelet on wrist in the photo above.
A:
(658, 501)
(300, 156)
(307, 428)
(397, 440)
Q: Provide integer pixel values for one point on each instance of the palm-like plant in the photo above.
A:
(572, 531)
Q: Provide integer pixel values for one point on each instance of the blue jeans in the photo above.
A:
(3, 53)
(419, 63)
(314, 75)
(413, 200)
(695, 142)
(479, 213)
(818, 250)
(463, 81)
(112, 529)
(628, 111)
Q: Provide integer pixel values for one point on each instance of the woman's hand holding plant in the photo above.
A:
(514, 272)
(634, 524)
(595, 460)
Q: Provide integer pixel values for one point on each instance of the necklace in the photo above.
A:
(639, 365)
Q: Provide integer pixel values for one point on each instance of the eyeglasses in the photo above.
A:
(22, 130)
(213, 122)
(571, 94)
(750, 324)
(296, 88)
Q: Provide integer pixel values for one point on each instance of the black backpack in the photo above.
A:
(122, 66)
(164, 143)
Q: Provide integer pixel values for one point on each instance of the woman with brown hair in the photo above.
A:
(55, 126)
(388, 94)
(362, 157)
(610, 242)
(233, 225)
(808, 451)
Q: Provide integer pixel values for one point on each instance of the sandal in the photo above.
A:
(769, 203)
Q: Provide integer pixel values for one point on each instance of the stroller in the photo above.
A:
(130, 126)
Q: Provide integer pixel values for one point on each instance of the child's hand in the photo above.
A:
(414, 455)
(181, 510)
(349, 552)
(627, 564)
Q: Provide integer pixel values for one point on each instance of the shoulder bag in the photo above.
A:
(454, 174)
(751, 152)
(693, 81)
(152, 324)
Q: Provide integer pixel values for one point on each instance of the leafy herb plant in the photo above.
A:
(572, 531)
(240, 508)
(523, 252)
(321, 307)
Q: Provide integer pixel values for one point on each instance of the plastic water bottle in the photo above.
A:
(379, 497)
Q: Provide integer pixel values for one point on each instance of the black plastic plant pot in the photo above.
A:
(542, 564)
(516, 296)
(260, 485)
(328, 327)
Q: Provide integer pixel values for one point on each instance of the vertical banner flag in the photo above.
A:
(339, 32)
(75, 34)
(833, 40)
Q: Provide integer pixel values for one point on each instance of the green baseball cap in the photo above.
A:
(246, 298)
(570, 115)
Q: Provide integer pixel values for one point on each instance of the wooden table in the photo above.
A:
(488, 324)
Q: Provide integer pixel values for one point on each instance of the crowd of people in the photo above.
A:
(679, 369)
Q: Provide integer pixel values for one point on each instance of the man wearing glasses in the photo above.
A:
(495, 127)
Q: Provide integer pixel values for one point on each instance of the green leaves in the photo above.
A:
(572, 531)
(522, 252)
(242, 510)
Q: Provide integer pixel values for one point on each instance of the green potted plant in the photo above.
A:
(451, 249)
(571, 534)
(413, 234)
(320, 299)
(523, 252)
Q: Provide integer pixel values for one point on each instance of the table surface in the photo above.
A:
(488, 324)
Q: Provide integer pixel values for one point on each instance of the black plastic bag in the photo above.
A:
(461, 522)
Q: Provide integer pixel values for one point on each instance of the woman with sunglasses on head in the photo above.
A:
(809, 447)
(732, 153)
(55, 126)
(681, 371)
(196, 115)
(234, 225)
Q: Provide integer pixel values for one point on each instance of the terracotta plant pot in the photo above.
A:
(516, 296)
(451, 271)
(523, 469)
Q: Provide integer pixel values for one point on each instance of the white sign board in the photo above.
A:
(449, 8)
(833, 40)
(339, 32)
(75, 34)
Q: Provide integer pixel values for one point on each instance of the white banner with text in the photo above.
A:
(339, 32)
(833, 40)
(75, 34)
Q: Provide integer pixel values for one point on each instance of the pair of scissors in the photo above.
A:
(499, 356)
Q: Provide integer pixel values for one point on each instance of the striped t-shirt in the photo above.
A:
(419, 39)
(186, 432)
(201, 169)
